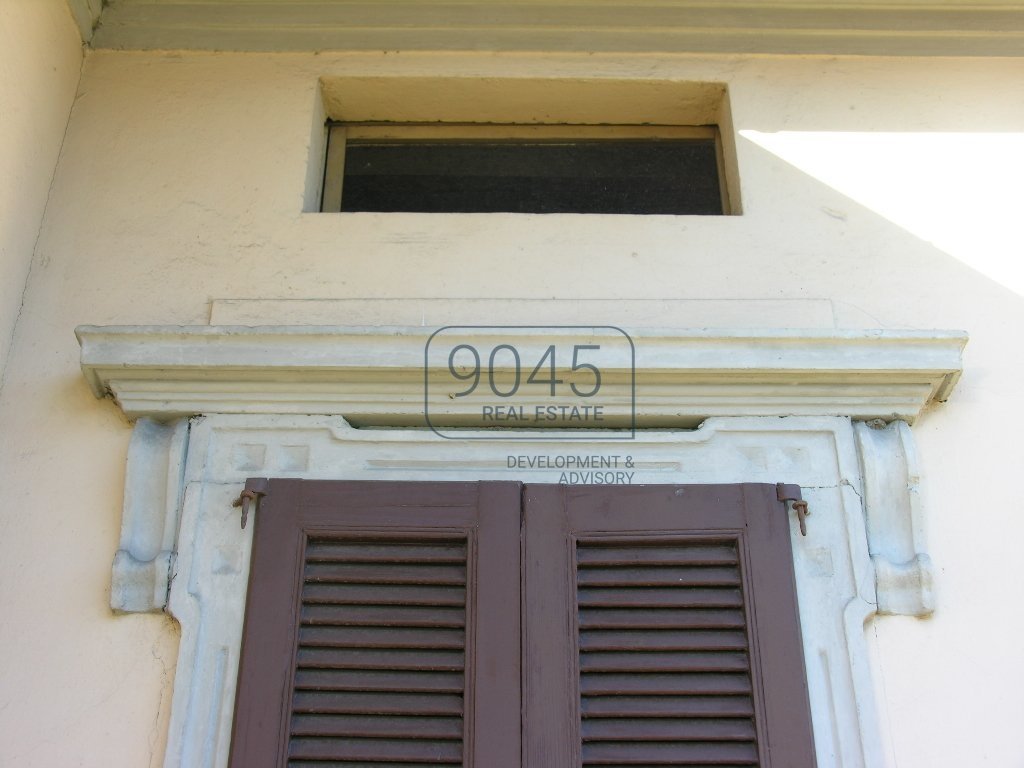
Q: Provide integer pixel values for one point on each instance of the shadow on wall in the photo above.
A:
(956, 191)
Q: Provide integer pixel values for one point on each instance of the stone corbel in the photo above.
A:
(149, 523)
(894, 522)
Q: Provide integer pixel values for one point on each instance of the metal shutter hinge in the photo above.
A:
(255, 489)
(789, 492)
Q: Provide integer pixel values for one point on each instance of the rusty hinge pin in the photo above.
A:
(243, 501)
(790, 492)
(255, 489)
(800, 507)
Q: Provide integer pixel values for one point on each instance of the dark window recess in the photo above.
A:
(608, 176)
(494, 625)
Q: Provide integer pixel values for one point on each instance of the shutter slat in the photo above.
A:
(642, 618)
(391, 552)
(377, 680)
(376, 703)
(664, 684)
(656, 661)
(692, 729)
(381, 658)
(671, 753)
(381, 637)
(659, 577)
(664, 669)
(665, 640)
(383, 616)
(687, 764)
(382, 594)
(418, 751)
(365, 726)
(682, 576)
(376, 573)
(660, 598)
(667, 706)
(600, 555)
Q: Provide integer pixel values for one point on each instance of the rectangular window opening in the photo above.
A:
(479, 168)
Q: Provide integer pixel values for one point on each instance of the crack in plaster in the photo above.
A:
(885, 714)
(844, 483)
(166, 691)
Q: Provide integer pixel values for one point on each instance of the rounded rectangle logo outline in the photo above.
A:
(537, 433)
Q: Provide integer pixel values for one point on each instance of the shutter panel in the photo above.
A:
(375, 633)
(381, 652)
(681, 643)
(382, 628)
(663, 654)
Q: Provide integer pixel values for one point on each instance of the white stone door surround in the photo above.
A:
(829, 411)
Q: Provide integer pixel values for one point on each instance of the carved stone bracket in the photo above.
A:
(149, 522)
(894, 520)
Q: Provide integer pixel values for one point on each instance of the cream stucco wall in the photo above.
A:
(183, 180)
(40, 59)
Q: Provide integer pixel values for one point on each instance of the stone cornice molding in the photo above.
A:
(850, 27)
(375, 376)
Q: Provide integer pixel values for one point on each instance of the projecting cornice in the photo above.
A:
(838, 27)
(375, 376)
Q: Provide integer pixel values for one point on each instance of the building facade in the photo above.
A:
(163, 167)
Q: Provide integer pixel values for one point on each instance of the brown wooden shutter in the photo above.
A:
(378, 630)
(662, 629)
(383, 628)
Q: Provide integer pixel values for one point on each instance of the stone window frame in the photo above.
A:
(829, 411)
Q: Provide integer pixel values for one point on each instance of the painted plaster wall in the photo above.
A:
(40, 59)
(183, 180)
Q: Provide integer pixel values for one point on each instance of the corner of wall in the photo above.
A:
(41, 57)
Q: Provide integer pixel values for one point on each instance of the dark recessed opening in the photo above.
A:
(646, 176)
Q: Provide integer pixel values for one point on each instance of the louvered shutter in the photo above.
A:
(382, 628)
(677, 639)
(377, 630)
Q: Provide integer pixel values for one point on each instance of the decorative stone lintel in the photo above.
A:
(374, 376)
(149, 522)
